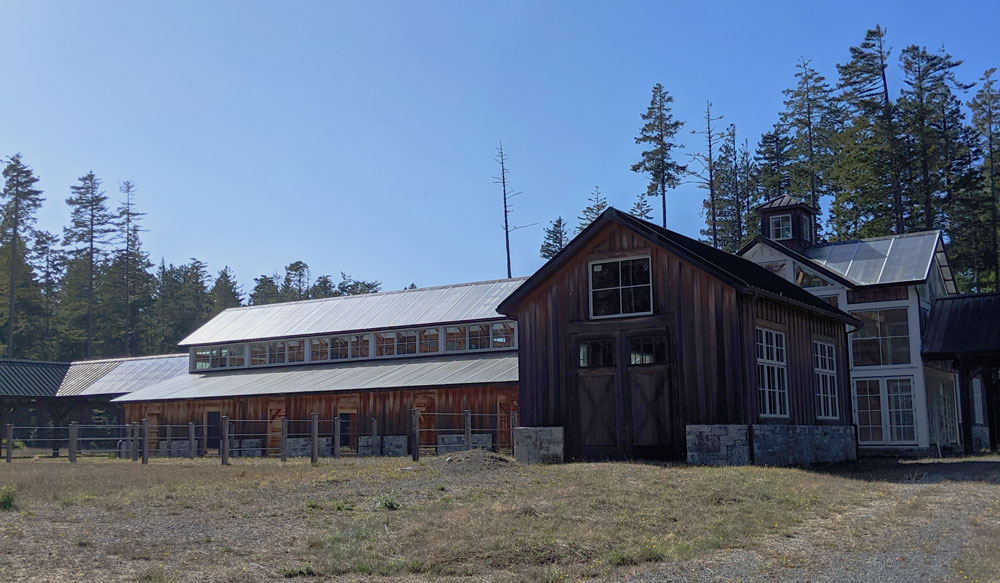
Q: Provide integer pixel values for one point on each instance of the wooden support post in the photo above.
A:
(74, 431)
(224, 450)
(192, 441)
(376, 446)
(336, 436)
(467, 418)
(315, 438)
(284, 439)
(170, 448)
(135, 441)
(513, 424)
(9, 442)
(145, 441)
(415, 434)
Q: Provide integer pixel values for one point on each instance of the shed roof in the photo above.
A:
(443, 371)
(25, 378)
(896, 259)
(396, 309)
(962, 327)
(743, 274)
(116, 376)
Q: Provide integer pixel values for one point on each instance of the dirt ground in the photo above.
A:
(480, 517)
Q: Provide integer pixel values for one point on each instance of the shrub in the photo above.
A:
(386, 502)
(7, 495)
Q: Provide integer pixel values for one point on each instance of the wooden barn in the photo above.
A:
(640, 342)
(366, 360)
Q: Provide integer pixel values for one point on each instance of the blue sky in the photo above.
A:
(361, 137)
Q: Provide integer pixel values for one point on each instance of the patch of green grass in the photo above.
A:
(387, 502)
(8, 497)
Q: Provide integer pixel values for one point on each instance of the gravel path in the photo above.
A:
(916, 536)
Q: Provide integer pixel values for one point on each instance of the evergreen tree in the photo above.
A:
(985, 108)
(866, 90)
(132, 285)
(91, 224)
(323, 287)
(597, 205)
(737, 193)
(773, 159)
(265, 290)
(295, 285)
(556, 238)
(809, 116)
(349, 286)
(49, 263)
(226, 292)
(21, 201)
(658, 134)
(641, 209)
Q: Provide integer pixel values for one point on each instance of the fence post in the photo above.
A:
(376, 446)
(9, 439)
(415, 434)
(224, 450)
(336, 436)
(192, 441)
(145, 441)
(513, 424)
(73, 433)
(315, 438)
(467, 416)
(284, 439)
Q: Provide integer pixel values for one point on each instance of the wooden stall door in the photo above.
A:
(275, 411)
(597, 392)
(427, 402)
(347, 409)
(650, 411)
(505, 405)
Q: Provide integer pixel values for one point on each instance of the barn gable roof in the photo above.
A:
(963, 326)
(25, 378)
(467, 302)
(116, 376)
(744, 275)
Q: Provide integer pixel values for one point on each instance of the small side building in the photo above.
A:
(640, 342)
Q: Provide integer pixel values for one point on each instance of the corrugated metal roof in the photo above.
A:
(115, 376)
(412, 307)
(23, 378)
(964, 326)
(444, 371)
(882, 260)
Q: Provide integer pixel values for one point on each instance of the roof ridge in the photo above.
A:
(129, 358)
(29, 361)
(879, 238)
(381, 293)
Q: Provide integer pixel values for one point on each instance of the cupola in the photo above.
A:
(789, 221)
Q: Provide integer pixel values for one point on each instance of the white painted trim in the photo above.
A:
(590, 287)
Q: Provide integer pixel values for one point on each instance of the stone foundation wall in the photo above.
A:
(534, 445)
(980, 438)
(452, 442)
(718, 445)
(772, 445)
(389, 445)
(799, 445)
(172, 448)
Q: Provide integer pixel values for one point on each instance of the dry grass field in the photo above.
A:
(482, 517)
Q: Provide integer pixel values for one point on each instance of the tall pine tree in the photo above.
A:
(658, 134)
(556, 238)
(21, 201)
(597, 205)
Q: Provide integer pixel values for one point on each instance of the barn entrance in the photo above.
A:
(622, 397)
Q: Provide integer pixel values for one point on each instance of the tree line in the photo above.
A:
(876, 159)
(92, 291)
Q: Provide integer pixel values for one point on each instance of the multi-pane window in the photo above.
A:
(339, 348)
(647, 350)
(621, 287)
(807, 228)
(479, 337)
(429, 340)
(825, 375)
(884, 339)
(456, 338)
(296, 350)
(236, 355)
(597, 353)
(805, 279)
(979, 418)
(385, 344)
(276, 353)
(772, 373)
(202, 359)
(781, 227)
(869, 406)
(503, 335)
(902, 426)
(319, 349)
(258, 354)
(359, 346)
(406, 342)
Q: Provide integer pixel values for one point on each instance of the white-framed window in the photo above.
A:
(807, 231)
(884, 339)
(479, 337)
(456, 338)
(203, 359)
(979, 410)
(781, 227)
(296, 350)
(825, 375)
(621, 287)
(502, 335)
(885, 411)
(258, 354)
(340, 348)
(429, 341)
(276, 353)
(772, 373)
(319, 349)
(360, 345)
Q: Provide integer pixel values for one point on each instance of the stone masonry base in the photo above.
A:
(538, 445)
(771, 445)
